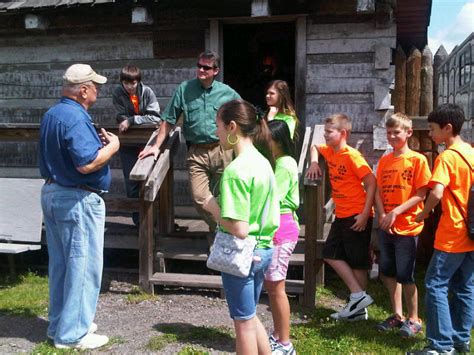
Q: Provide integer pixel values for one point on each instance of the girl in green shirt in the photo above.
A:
(280, 105)
(286, 237)
(248, 208)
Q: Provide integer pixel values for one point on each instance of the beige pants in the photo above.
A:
(205, 170)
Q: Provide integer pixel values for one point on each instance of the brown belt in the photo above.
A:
(82, 187)
(205, 145)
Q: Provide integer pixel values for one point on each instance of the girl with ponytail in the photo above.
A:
(248, 208)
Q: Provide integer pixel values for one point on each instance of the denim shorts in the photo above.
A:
(344, 243)
(242, 293)
(398, 256)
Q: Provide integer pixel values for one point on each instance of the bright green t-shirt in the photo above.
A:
(286, 174)
(290, 121)
(244, 190)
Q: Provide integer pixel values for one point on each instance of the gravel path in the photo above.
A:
(132, 325)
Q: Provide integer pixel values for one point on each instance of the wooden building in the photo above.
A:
(337, 55)
(455, 79)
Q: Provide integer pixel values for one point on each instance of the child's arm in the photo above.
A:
(387, 221)
(238, 228)
(379, 204)
(314, 171)
(433, 199)
(370, 185)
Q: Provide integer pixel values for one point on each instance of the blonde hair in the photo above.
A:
(399, 119)
(341, 121)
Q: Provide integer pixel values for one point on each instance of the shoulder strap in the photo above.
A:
(454, 197)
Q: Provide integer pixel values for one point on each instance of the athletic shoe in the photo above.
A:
(273, 341)
(430, 351)
(390, 323)
(355, 305)
(361, 315)
(281, 349)
(92, 329)
(463, 348)
(89, 341)
(410, 328)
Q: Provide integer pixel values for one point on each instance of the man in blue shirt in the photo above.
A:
(198, 100)
(73, 160)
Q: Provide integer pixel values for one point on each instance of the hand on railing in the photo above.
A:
(149, 150)
(314, 171)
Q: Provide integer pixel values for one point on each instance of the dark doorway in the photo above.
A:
(256, 54)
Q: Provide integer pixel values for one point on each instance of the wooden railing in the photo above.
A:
(318, 210)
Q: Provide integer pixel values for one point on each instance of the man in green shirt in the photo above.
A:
(198, 100)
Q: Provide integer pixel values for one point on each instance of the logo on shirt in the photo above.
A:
(342, 170)
(407, 174)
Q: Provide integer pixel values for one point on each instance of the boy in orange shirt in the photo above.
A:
(402, 184)
(449, 280)
(353, 189)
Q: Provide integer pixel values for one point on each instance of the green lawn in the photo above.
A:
(27, 296)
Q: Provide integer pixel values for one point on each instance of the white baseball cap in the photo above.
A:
(81, 73)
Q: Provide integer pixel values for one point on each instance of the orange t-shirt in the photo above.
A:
(398, 179)
(347, 168)
(452, 172)
(134, 101)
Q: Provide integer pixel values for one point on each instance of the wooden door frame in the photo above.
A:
(216, 44)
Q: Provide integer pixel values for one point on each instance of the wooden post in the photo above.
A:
(426, 97)
(413, 83)
(438, 83)
(400, 91)
(145, 242)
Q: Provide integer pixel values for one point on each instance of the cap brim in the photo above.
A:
(99, 79)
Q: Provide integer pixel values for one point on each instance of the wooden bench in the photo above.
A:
(20, 216)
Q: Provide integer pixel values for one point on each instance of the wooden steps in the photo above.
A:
(208, 281)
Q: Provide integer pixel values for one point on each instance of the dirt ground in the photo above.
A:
(132, 325)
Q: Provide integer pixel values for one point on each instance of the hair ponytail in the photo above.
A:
(262, 141)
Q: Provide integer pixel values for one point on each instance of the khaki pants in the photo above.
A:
(205, 170)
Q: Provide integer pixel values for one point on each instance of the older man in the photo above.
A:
(198, 100)
(73, 160)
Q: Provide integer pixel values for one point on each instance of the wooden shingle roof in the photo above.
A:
(18, 5)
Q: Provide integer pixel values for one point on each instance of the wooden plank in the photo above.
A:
(413, 83)
(340, 58)
(426, 96)
(77, 48)
(9, 248)
(118, 203)
(304, 151)
(145, 243)
(300, 69)
(348, 45)
(399, 95)
(328, 210)
(20, 210)
(166, 204)
(208, 281)
(383, 57)
(143, 167)
(362, 30)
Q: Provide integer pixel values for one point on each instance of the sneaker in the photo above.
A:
(361, 315)
(273, 341)
(92, 329)
(355, 305)
(390, 323)
(463, 348)
(430, 351)
(281, 349)
(89, 341)
(410, 328)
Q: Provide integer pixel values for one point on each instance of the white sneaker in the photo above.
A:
(92, 329)
(356, 305)
(89, 341)
(280, 349)
(361, 315)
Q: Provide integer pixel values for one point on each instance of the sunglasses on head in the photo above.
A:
(205, 67)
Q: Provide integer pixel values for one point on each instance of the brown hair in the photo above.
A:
(210, 55)
(285, 103)
(130, 73)
(399, 119)
(341, 121)
(244, 115)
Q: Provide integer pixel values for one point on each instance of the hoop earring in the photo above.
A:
(234, 142)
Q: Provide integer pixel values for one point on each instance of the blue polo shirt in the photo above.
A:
(69, 140)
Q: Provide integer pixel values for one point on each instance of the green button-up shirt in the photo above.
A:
(199, 107)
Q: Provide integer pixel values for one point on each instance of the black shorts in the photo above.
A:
(343, 243)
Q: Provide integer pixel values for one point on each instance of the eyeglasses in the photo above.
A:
(205, 67)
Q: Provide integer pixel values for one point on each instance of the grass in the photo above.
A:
(26, 295)
(137, 296)
(189, 334)
(47, 348)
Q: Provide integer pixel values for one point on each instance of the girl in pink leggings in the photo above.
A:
(286, 237)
